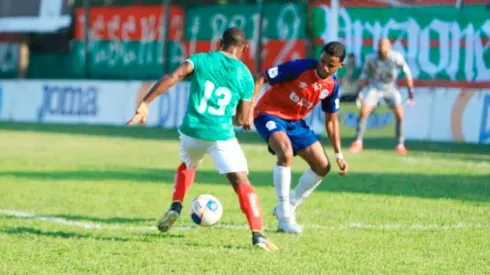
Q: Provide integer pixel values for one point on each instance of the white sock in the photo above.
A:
(307, 183)
(282, 183)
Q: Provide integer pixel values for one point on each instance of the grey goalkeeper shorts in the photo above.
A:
(390, 95)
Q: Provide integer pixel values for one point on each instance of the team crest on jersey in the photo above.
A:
(324, 94)
(270, 125)
(294, 97)
(317, 86)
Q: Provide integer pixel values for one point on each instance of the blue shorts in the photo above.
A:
(299, 133)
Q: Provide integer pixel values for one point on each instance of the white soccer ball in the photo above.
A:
(206, 210)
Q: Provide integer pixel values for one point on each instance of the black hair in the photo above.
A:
(335, 49)
(234, 37)
(352, 55)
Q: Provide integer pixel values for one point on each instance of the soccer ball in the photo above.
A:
(206, 210)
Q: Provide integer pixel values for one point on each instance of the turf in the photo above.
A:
(426, 213)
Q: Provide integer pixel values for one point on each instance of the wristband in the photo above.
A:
(411, 92)
(339, 156)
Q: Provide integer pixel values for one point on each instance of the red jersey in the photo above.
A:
(295, 89)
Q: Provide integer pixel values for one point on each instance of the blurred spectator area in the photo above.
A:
(34, 54)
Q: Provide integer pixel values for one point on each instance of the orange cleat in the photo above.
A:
(356, 147)
(400, 149)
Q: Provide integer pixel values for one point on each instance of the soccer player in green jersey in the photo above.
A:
(220, 85)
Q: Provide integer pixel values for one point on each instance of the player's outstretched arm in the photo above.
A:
(363, 78)
(259, 81)
(243, 114)
(161, 86)
(330, 107)
(168, 81)
(408, 75)
(332, 126)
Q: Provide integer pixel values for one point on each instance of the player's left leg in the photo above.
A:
(192, 151)
(230, 160)
(317, 159)
(308, 147)
(394, 100)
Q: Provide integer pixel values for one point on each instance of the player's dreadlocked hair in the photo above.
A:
(335, 49)
(234, 37)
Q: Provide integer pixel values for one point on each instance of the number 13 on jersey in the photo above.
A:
(221, 95)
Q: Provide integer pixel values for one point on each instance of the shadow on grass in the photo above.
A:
(135, 236)
(460, 187)
(58, 234)
(379, 143)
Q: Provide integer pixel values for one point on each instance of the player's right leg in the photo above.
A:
(394, 101)
(369, 102)
(191, 154)
(273, 131)
(230, 160)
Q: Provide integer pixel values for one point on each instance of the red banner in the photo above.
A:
(274, 51)
(133, 23)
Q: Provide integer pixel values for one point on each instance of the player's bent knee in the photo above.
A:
(285, 157)
(322, 170)
(398, 113)
(365, 111)
(237, 178)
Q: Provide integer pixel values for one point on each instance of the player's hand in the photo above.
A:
(409, 102)
(343, 166)
(247, 126)
(411, 97)
(140, 116)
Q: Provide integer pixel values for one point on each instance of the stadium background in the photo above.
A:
(122, 46)
(84, 199)
(444, 42)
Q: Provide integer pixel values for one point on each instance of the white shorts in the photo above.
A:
(391, 96)
(227, 155)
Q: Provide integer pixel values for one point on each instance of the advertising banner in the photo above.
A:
(442, 44)
(283, 36)
(439, 114)
(126, 42)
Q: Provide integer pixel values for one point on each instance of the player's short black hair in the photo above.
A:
(335, 49)
(352, 55)
(234, 37)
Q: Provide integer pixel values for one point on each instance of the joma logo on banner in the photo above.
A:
(68, 101)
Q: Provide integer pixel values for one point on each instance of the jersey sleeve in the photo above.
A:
(194, 60)
(366, 69)
(402, 63)
(331, 104)
(288, 71)
(248, 86)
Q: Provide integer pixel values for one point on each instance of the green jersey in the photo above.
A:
(218, 83)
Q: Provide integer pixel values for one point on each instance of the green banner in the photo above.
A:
(439, 43)
(283, 36)
(281, 21)
(125, 42)
(9, 60)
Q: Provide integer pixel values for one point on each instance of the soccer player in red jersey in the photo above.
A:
(295, 88)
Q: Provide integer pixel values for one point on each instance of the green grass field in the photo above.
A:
(84, 199)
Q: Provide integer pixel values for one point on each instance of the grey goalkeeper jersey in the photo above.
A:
(382, 73)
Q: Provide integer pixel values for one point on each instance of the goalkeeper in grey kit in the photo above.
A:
(379, 77)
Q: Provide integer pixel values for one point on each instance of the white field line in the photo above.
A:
(89, 225)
